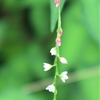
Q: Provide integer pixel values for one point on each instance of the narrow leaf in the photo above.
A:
(54, 13)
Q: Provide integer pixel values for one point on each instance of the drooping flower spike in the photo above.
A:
(55, 52)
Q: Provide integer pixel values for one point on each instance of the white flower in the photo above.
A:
(53, 51)
(47, 66)
(63, 60)
(51, 88)
(64, 76)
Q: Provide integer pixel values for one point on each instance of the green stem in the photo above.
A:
(56, 71)
(56, 58)
(55, 95)
(59, 20)
(57, 49)
(55, 78)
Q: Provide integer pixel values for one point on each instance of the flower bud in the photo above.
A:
(58, 41)
(59, 34)
(57, 3)
(63, 60)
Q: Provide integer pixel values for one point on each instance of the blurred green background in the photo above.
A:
(28, 32)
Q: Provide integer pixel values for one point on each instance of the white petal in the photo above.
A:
(64, 76)
(53, 51)
(51, 88)
(65, 72)
(63, 80)
(47, 66)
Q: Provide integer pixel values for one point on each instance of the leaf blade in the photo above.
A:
(54, 13)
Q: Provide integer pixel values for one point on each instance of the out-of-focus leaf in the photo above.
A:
(72, 88)
(24, 64)
(90, 88)
(90, 55)
(36, 2)
(36, 58)
(54, 13)
(15, 72)
(20, 4)
(3, 28)
(39, 19)
(13, 94)
(91, 17)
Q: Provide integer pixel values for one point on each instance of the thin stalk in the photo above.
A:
(57, 56)
(59, 19)
(55, 78)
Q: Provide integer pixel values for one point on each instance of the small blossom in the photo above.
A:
(51, 88)
(47, 66)
(64, 76)
(63, 60)
(53, 51)
(60, 33)
(58, 41)
(57, 3)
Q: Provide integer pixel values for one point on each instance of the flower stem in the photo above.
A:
(57, 56)
(59, 19)
(55, 77)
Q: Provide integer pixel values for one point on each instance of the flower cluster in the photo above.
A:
(55, 52)
(63, 76)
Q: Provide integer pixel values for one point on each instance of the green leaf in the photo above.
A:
(90, 88)
(15, 5)
(36, 58)
(39, 19)
(24, 63)
(15, 94)
(3, 27)
(54, 13)
(91, 17)
(90, 54)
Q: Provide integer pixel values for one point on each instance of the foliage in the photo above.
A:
(25, 41)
